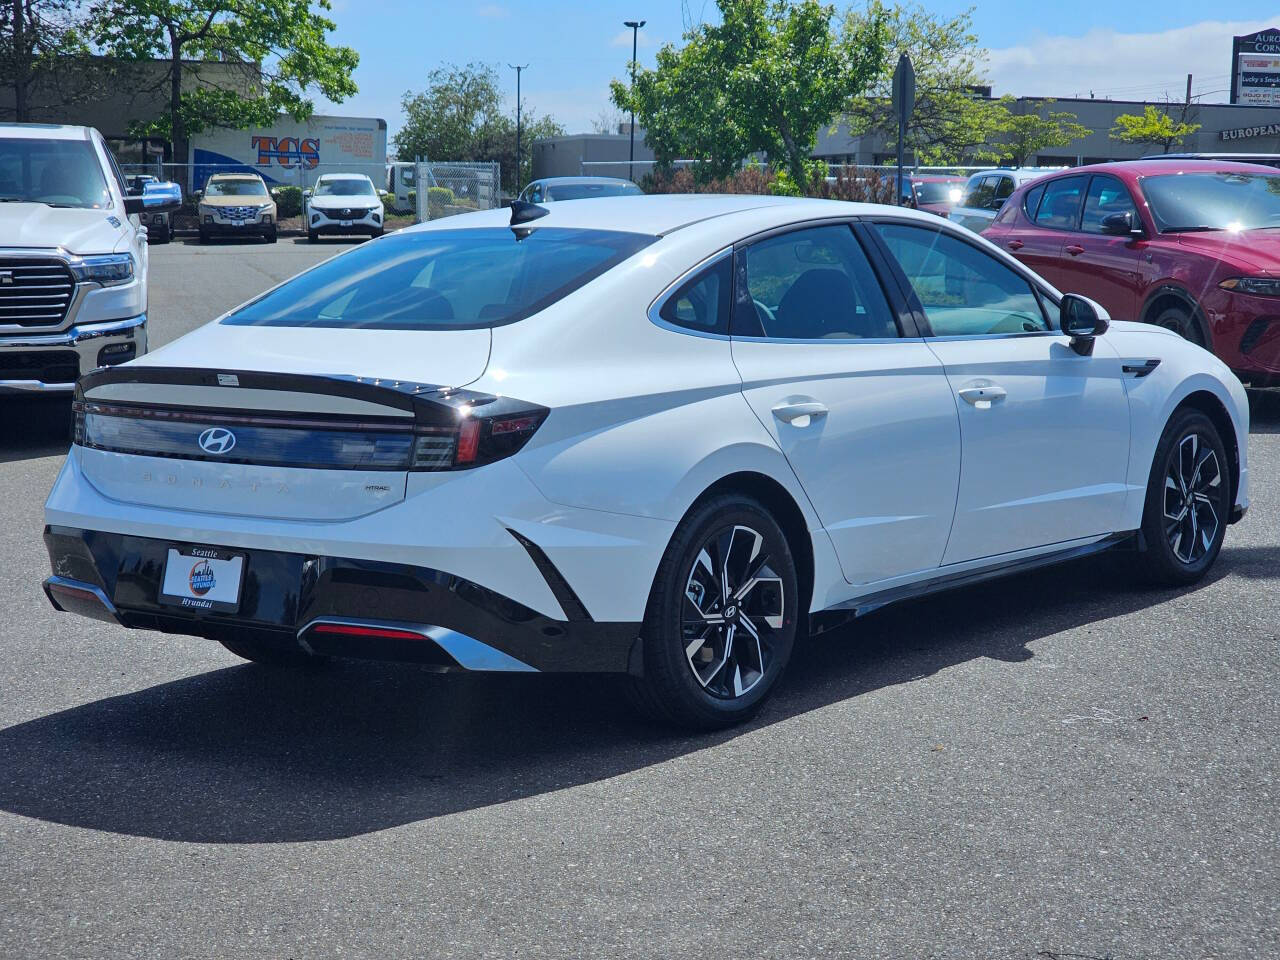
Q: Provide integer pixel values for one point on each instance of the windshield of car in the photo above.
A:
(443, 279)
(1228, 200)
(581, 191)
(236, 188)
(938, 191)
(60, 173)
(345, 187)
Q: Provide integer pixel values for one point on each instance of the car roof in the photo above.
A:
(938, 177)
(44, 131)
(552, 181)
(235, 176)
(664, 213)
(343, 176)
(1167, 165)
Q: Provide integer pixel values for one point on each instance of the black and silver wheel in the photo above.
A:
(722, 616)
(1188, 500)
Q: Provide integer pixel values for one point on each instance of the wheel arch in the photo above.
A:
(1212, 407)
(1168, 294)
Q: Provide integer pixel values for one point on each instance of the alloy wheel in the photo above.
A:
(733, 606)
(1192, 491)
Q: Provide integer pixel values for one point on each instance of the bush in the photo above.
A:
(438, 197)
(862, 185)
(413, 200)
(288, 202)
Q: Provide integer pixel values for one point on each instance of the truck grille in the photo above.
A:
(34, 291)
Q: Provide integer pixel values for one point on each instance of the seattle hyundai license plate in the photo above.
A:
(202, 578)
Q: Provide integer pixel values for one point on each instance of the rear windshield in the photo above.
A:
(934, 191)
(582, 191)
(443, 279)
(1189, 202)
(60, 173)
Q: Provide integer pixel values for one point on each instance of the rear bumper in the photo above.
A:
(51, 362)
(457, 624)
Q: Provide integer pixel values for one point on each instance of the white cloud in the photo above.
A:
(1123, 66)
(623, 39)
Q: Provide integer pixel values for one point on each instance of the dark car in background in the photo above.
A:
(578, 188)
(1192, 245)
(934, 193)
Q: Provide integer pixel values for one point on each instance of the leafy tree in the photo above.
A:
(765, 79)
(43, 50)
(1027, 134)
(460, 117)
(951, 122)
(283, 44)
(1155, 126)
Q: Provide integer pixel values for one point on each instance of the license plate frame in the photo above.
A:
(217, 588)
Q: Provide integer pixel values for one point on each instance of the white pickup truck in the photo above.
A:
(73, 258)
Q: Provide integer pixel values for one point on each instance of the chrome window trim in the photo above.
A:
(828, 340)
(660, 301)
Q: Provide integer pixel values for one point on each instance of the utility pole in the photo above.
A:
(519, 160)
(635, 26)
(1188, 88)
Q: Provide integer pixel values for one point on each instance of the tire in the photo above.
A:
(723, 681)
(204, 237)
(1180, 321)
(376, 234)
(159, 237)
(270, 652)
(313, 237)
(1190, 456)
(269, 236)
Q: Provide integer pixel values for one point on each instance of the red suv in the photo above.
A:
(1192, 245)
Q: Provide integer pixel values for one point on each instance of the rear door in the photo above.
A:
(1045, 431)
(1056, 219)
(1099, 265)
(1016, 231)
(857, 402)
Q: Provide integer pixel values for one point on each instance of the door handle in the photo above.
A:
(982, 395)
(806, 410)
(1015, 244)
(1074, 249)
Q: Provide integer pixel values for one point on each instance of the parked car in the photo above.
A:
(936, 193)
(236, 204)
(159, 224)
(578, 188)
(1266, 159)
(658, 437)
(342, 204)
(985, 195)
(73, 268)
(1189, 245)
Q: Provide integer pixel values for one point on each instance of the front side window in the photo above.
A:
(58, 173)
(703, 302)
(1060, 205)
(1004, 190)
(1106, 196)
(443, 279)
(246, 187)
(963, 290)
(1186, 202)
(813, 284)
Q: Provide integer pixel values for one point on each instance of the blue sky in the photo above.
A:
(1118, 50)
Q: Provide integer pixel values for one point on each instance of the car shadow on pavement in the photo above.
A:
(35, 428)
(247, 754)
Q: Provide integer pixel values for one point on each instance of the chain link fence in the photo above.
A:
(445, 189)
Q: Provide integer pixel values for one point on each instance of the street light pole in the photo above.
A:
(519, 161)
(635, 26)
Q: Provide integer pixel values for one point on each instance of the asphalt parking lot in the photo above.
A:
(1057, 765)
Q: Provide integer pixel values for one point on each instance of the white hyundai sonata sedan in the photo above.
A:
(664, 437)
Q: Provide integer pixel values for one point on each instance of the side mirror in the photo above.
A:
(1082, 320)
(1122, 225)
(306, 194)
(158, 198)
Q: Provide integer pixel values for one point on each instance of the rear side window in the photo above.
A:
(1031, 202)
(1060, 206)
(703, 302)
(1106, 196)
(813, 284)
(981, 193)
(443, 279)
(1004, 189)
(964, 291)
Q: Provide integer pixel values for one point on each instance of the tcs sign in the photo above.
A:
(288, 152)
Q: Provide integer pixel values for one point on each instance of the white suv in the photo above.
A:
(343, 204)
(986, 192)
(73, 258)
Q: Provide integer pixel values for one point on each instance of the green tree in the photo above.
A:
(460, 117)
(952, 121)
(1026, 134)
(44, 57)
(1154, 126)
(765, 79)
(283, 43)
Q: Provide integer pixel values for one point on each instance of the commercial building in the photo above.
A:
(592, 154)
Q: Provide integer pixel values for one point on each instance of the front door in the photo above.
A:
(1045, 431)
(1103, 266)
(865, 416)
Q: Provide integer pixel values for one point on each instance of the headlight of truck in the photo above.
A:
(109, 270)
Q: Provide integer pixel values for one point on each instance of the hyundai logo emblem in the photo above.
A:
(217, 440)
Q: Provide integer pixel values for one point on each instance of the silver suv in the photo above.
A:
(986, 192)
